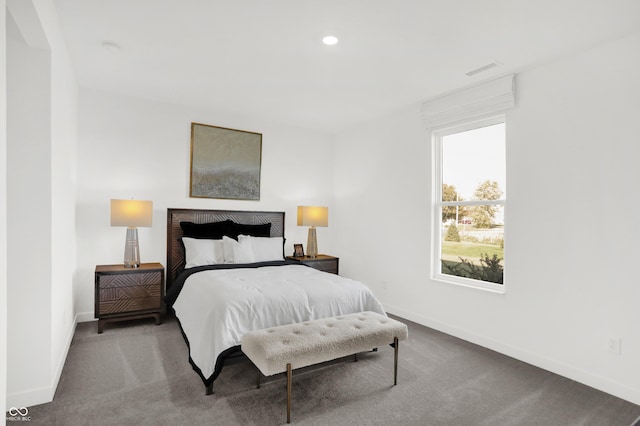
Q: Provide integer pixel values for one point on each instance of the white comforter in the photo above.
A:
(217, 307)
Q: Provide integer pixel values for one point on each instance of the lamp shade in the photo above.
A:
(313, 216)
(131, 213)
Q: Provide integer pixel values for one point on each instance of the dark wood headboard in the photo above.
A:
(175, 249)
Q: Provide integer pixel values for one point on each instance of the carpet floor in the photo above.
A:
(137, 373)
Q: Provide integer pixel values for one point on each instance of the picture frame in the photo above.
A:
(298, 250)
(225, 163)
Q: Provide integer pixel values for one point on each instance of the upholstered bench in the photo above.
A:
(285, 348)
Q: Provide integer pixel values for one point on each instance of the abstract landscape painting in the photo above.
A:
(225, 163)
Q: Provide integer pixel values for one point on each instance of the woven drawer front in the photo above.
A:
(130, 280)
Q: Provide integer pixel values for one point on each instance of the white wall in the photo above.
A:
(64, 96)
(134, 148)
(571, 239)
(3, 208)
(41, 123)
(29, 219)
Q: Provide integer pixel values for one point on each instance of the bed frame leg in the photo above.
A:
(209, 389)
(289, 393)
(258, 387)
(395, 361)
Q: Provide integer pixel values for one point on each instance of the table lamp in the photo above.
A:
(131, 213)
(313, 216)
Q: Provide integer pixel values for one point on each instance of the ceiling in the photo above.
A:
(265, 59)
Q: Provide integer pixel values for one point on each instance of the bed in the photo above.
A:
(216, 302)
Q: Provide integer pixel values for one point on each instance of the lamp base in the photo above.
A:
(131, 249)
(312, 243)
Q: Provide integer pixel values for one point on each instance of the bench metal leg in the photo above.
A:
(259, 374)
(289, 393)
(395, 361)
(209, 390)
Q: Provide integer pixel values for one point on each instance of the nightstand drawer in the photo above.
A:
(325, 265)
(129, 305)
(151, 291)
(130, 279)
(322, 262)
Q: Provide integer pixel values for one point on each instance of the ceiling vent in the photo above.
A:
(483, 68)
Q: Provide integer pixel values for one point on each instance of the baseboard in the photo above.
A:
(63, 357)
(604, 384)
(31, 397)
(85, 317)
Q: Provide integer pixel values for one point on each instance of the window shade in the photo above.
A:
(478, 101)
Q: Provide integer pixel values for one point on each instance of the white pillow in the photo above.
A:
(236, 251)
(264, 249)
(199, 252)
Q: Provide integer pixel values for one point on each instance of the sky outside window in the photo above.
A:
(472, 157)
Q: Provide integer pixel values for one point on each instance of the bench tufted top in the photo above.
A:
(312, 342)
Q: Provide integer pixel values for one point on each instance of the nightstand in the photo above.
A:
(322, 262)
(128, 293)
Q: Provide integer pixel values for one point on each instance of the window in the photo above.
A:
(468, 134)
(470, 194)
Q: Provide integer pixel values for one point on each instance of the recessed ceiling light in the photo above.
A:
(330, 40)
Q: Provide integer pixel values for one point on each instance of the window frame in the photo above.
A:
(437, 136)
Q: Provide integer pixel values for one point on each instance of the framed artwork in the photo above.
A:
(298, 251)
(225, 163)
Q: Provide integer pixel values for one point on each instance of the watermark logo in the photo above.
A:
(19, 415)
